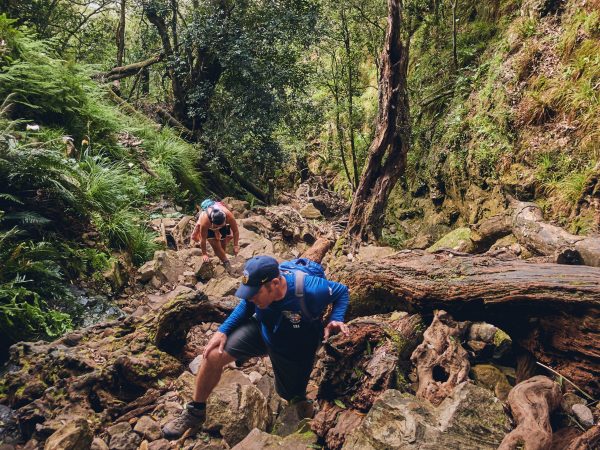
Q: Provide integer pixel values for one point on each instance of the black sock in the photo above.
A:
(197, 405)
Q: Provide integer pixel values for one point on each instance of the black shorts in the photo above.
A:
(224, 231)
(291, 371)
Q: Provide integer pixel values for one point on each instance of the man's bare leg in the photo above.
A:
(209, 374)
(194, 414)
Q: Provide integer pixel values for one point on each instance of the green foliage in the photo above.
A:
(30, 288)
(123, 230)
(52, 91)
(107, 185)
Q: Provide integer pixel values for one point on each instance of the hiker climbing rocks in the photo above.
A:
(217, 225)
(279, 315)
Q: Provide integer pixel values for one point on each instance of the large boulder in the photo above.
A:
(258, 439)
(235, 408)
(253, 244)
(75, 435)
(470, 419)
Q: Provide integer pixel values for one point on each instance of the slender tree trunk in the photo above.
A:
(121, 36)
(349, 64)
(179, 97)
(338, 124)
(386, 159)
(454, 33)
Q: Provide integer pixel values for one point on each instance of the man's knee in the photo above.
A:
(218, 359)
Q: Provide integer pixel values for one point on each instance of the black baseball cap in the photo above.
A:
(257, 271)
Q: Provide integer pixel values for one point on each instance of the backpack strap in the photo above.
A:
(299, 291)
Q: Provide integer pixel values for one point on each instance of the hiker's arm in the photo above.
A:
(196, 233)
(339, 299)
(242, 312)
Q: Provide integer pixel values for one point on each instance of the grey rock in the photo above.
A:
(125, 441)
(234, 410)
(195, 364)
(470, 419)
(119, 428)
(148, 428)
(583, 414)
(161, 444)
(310, 212)
(258, 439)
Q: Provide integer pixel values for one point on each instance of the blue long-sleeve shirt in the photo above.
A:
(318, 293)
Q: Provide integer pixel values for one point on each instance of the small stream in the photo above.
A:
(93, 308)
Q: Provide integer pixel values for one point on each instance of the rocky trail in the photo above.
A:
(446, 350)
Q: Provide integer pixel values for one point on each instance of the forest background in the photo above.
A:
(110, 107)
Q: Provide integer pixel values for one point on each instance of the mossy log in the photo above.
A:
(551, 310)
(531, 403)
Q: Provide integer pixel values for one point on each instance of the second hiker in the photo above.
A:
(217, 225)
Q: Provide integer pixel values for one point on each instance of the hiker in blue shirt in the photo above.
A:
(280, 315)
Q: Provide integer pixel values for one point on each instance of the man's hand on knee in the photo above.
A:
(217, 342)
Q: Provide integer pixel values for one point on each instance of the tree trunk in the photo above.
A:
(387, 154)
(121, 36)
(350, 88)
(551, 310)
(179, 97)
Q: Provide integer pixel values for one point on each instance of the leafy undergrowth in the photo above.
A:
(522, 118)
(73, 189)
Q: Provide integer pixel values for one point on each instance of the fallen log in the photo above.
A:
(542, 238)
(531, 403)
(551, 310)
(117, 73)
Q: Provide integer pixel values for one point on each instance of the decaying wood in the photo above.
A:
(545, 239)
(319, 249)
(551, 310)
(587, 441)
(531, 403)
(358, 368)
(441, 361)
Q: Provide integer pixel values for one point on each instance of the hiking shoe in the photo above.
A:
(190, 418)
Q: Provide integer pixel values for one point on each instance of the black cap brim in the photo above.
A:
(246, 292)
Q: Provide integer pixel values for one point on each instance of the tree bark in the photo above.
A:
(350, 88)
(386, 159)
(531, 403)
(588, 440)
(179, 98)
(551, 310)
